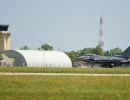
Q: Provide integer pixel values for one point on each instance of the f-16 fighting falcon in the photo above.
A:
(107, 61)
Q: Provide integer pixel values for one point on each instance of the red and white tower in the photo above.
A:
(101, 42)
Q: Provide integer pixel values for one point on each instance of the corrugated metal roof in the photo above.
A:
(36, 58)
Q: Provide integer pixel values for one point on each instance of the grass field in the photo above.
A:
(64, 88)
(67, 70)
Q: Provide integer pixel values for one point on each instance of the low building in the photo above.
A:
(36, 58)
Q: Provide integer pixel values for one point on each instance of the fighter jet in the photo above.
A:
(107, 61)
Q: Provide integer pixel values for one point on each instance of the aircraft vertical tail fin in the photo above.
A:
(126, 53)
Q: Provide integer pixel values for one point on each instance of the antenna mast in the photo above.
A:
(101, 42)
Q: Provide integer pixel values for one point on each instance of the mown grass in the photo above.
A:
(64, 88)
(67, 70)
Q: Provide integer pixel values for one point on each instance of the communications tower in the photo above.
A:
(101, 42)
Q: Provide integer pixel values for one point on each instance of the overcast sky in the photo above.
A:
(66, 24)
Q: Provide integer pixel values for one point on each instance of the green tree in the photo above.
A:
(86, 51)
(115, 51)
(46, 47)
(24, 48)
(98, 50)
(107, 53)
(72, 55)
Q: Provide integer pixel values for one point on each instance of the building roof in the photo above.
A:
(37, 58)
(4, 27)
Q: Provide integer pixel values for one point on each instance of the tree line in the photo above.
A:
(45, 47)
(97, 50)
(74, 54)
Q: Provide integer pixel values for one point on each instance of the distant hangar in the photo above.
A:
(35, 58)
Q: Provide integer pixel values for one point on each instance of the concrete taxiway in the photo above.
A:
(62, 74)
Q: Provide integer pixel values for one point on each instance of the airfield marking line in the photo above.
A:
(61, 74)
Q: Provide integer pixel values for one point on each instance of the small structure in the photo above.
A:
(36, 58)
